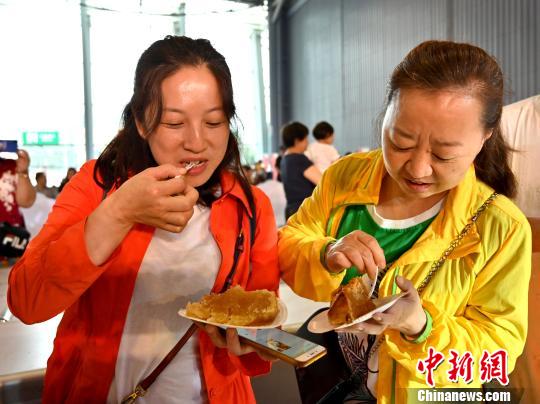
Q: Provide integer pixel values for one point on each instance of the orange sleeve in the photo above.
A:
(55, 269)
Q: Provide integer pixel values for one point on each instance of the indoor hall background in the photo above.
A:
(330, 59)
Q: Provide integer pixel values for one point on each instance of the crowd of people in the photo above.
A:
(297, 169)
(167, 214)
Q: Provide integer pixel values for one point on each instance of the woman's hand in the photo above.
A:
(356, 248)
(25, 193)
(23, 161)
(231, 341)
(157, 196)
(406, 315)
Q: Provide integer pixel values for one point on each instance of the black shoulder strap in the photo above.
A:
(252, 225)
(239, 243)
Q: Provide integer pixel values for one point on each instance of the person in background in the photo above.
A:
(298, 174)
(16, 190)
(135, 236)
(430, 213)
(275, 192)
(16, 193)
(259, 172)
(69, 174)
(322, 152)
(41, 186)
(249, 173)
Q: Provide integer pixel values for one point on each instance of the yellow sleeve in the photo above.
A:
(495, 316)
(301, 242)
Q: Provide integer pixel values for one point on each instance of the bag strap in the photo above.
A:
(438, 264)
(456, 242)
(141, 389)
(239, 244)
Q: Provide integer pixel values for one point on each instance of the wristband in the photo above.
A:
(425, 332)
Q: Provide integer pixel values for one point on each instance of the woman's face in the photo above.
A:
(430, 139)
(193, 127)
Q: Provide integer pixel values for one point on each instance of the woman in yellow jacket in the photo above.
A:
(397, 212)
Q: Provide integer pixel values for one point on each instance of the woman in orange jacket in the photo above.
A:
(157, 221)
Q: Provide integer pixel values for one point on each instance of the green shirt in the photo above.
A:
(394, 242)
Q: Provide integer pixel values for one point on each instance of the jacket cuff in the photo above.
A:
(322, 258)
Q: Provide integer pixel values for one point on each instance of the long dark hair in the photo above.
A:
(129, 153)
(439, 65)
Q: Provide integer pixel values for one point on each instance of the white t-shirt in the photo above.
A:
(520, 124)
(176, 269)
(322, 155)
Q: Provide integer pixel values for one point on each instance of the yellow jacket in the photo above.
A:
(478, 298)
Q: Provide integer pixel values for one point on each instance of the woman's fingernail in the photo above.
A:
(378, 318)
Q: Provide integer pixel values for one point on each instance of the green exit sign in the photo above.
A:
(41, 138)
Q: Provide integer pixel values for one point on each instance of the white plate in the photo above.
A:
(279, 320)
(320, 323)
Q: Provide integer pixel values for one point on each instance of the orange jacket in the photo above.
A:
(55, 275)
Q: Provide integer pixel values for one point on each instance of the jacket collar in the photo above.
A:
(230, 186)
(366, 184)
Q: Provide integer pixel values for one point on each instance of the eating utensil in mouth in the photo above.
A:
(190, 165)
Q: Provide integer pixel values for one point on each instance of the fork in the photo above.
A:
(188, 167)
(373, 283)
